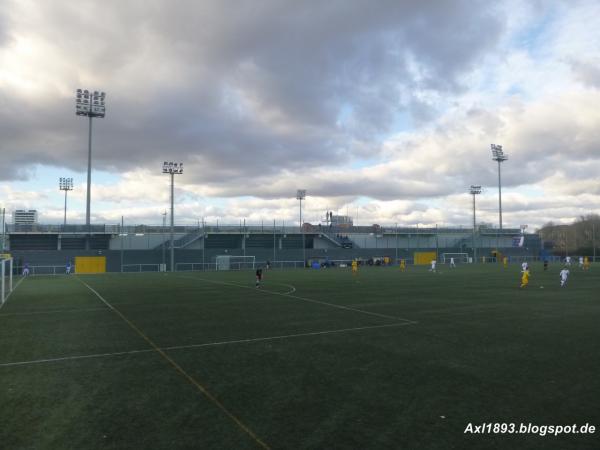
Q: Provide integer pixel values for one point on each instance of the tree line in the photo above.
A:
(578, 238)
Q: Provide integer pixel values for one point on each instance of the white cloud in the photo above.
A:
(299, 95)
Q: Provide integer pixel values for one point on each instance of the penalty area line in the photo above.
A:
(207, 344)
(286, 336)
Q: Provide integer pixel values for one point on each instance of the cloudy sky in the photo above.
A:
(384, 110)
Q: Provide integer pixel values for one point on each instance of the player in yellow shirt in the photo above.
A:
(354, 267)
(586, 263)
(505, 261)
(525, 278)
(402, 265)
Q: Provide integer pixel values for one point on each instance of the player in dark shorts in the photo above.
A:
(545, 264)
(258, 276)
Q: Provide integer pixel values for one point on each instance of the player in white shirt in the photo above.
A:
(581, 262)
(433, 263)
(567, 260)
(452, 262)
(524, 266)
(564, 274)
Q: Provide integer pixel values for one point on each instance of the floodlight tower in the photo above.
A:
(89, 104)
(164, 225)
(65, 184)
(301, 195)
(474, 190)
(172, 169)
(499, 156)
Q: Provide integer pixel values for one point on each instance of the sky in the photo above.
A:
(382, 110)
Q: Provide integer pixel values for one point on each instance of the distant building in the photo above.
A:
(344, 221)
(25, 217)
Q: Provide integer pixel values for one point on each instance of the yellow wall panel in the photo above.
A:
(421, 258)
(90, 264)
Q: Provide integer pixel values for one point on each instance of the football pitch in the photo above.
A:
(314, 359)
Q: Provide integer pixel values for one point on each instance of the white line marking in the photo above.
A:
(207, 344)
(53, 311)
(200, 387)
(70, 358)
(286, 336)
(291, 291)
(333, 305)
(14, 289)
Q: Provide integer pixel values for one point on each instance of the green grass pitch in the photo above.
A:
(314, 359)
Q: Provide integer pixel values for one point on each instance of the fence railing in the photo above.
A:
(257, 228)
(60, 269)
(44, 270)
(129, 268)
(195, 267)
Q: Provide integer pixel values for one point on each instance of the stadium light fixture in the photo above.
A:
(474, 190)
(172, 169)
(65, 184)
(499, 156)
(90, 104)
(301, 195)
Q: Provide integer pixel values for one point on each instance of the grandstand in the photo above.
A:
(146, 244)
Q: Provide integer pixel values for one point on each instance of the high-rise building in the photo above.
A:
(25, 217)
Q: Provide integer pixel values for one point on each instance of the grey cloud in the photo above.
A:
(168, 70)
(587, 72)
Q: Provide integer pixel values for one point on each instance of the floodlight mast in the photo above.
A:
(89, 104)
(499, 156)
(172, 169)
(301, 195)
(474, 190)
(164, 225)
(65, 184)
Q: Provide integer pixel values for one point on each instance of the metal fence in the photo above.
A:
(136, 268)
(59, 269)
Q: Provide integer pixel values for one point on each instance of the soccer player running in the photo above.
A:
(402, 265)
(564, 274)
(452, 263)
(581, 262)
(258, 276)
(433, 263)
(354, 267)
(524, 278)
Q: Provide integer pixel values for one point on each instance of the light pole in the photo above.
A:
(122, 235)
(3, 211)
(65, 184)
(499, 156)
(301, 195)
(89, 104)
(474, 190)
(172, 169)
(164, 225)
